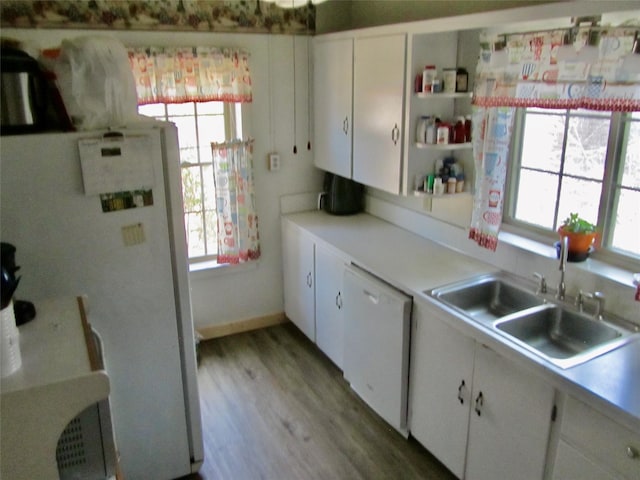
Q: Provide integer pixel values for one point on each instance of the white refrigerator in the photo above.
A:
(131, 263)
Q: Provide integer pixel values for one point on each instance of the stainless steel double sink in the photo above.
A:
(556, 332)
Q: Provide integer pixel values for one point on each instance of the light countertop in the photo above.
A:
(610, 383)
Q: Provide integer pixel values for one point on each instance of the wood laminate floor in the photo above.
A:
(274, 407)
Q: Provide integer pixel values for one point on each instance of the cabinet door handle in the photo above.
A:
(345, 125)
(460, 397)
(395, 134)
(309, 280)
(339, 301)
(479, 403)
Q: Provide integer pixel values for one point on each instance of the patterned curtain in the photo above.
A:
(238, 239)
(491, 137)
(200, 74)
(596, 68)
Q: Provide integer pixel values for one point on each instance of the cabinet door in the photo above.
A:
(509, 423)
(440, 387)
(378, 99)
(297, 261)
(333, 88)
(329, 297)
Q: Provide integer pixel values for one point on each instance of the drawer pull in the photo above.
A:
(632, 452)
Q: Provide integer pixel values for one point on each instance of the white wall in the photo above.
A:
(244, 293)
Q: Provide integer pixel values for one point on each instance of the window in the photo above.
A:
(199, 124)
(578, 161)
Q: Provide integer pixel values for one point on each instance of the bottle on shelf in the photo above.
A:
(459, 135)
(467, 128)
(462, 80)
(428, 75)
(449, 80)
(421, 129)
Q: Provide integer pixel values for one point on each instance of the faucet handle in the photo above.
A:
(542, 283)
(599, 297)
(582, 295)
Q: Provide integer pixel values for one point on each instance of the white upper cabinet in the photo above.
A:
(378, 106)
(333, 119)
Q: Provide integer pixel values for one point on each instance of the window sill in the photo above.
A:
(592, 265)
(211, 268)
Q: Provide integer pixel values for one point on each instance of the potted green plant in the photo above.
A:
(581, 233)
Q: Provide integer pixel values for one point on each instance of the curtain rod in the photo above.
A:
(572, 29)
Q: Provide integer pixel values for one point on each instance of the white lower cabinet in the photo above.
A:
(299, 278)
(479, 415)
(440, 386)
(329, 302)
(313, 290)
(592, 446)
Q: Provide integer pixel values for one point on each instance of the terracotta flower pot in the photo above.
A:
(579, 243)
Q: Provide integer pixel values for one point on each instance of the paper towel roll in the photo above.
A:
(11, 359)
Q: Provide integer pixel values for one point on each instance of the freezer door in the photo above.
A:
(376, 354)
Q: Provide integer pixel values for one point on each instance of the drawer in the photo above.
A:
(570, 464)
(604, 440)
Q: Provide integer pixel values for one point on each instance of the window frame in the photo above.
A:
(611, 185)
(233, 115)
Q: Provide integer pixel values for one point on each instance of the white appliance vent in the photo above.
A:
(70, 450)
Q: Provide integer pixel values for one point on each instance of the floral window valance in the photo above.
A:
(201, 74)
(585, 67)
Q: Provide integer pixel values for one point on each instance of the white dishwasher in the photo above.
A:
(376, 344)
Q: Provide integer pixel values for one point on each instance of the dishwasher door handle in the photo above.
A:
(372, 296)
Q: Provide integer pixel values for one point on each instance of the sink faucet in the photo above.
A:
(564, 251)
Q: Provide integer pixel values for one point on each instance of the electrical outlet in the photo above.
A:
(274, 162)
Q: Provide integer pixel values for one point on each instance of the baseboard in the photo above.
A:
(215, 331)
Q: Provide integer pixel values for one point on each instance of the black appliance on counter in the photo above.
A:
(341, 196)
(23, 311)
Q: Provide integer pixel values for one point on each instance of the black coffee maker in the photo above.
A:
(23, 310)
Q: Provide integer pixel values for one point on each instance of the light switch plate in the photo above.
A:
(274, 162)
